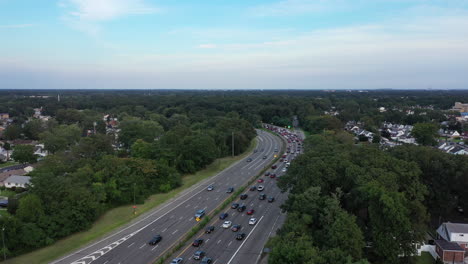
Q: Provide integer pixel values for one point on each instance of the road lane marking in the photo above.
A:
(229, 243)
(142, 246)
(131, 244)
(154, 247)
(219, 241)
(175, 232)
(164, 230)
(243, 242)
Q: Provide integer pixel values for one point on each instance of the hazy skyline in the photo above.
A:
(258, 44)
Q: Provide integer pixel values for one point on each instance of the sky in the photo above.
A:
(243, 44)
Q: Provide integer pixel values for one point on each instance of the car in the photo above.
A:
(274, 166)
(284, 170)
(240, 236)
(197, 242)
(271, 199)
(230, 190)
(281, 160)
(267, 173)
(200, 213)
(236, 228)
(264, 157)
(252, 221)
(276, 150)
(250, 212)
(253, 188)
(223, 216)
(260, 180)
(255, 150)
(206, 260)
(234, 205)
(210, 188)
(262, 196)
(262, 150)
(284, 156)
(272, 175)
(260, 188)
(243, 196)
(177, 261)
(285, 161)
(209, 229)
(199, 255)
(156, 239)
(249, 159)
(227, 224)
(241, 208)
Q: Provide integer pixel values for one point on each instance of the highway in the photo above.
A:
(175, 218)
(222, 246)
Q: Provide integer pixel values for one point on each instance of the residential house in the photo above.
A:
(452, 242)
(17, 181)
(459, 107)
(4, 116)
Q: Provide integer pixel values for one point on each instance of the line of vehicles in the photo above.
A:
(241, 207)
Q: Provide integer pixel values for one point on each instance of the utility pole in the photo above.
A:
(233, 143)
(3, 239)
(134, 200)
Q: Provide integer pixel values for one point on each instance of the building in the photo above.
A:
(459, 107)
(17, 181)
(452, 242)
(4, 116)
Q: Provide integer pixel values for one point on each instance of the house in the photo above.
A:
(452, 242)
(17, 181)
(459, 107)
(4, 116)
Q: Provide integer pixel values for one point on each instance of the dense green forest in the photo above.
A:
(348, 203)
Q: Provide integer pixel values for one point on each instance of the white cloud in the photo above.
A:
(293, 7)
(85, 15)
(207, 46)
(16, 26)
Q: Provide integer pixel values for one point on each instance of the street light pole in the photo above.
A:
(233, 143)
(3, 239)
(134, 200)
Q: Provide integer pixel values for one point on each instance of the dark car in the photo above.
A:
(223, 216)
(272, 175)
(264, 157)
(253, 188)
(240, 236)
(235, 205)
(156, 239)
(206, 260)
(244, 196)
(274, 167)
(255, 151)
(236, 228)
(230, 190)
(267, 173)
(197, 242)
(199, 255)
(271, 199)
(241, 208)
(262, 196)
(249, 160)
(209, 229)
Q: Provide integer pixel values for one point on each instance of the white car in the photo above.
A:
(227, 224)
(252, 221)
(177, 260)
(260, 188)
(285, 161)
(284, 170)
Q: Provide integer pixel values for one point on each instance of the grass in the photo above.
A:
(7, 193)
(425, 258)
(119, 216)
(8, 163)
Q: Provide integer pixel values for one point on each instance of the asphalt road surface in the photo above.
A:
(222, 246)
(175, 218)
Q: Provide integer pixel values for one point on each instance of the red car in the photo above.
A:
(272, 175)
(250, 212)
(260, 180)
(274, 167)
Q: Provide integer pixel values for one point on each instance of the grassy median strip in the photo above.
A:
(120, 216)
(202, 224)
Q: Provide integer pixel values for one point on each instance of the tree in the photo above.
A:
(134, 129)
(425, 133)
(7, 147)
(33, 129)
(24, 154)
(12, 132)
(30, 209)
(61, 137)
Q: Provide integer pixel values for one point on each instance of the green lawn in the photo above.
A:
(8, 163)
(7, 193)
(425, 258)
(121, 215)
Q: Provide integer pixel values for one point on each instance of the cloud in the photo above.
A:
(292, 7)
(85, 15)
(17, 26)
(207, 46)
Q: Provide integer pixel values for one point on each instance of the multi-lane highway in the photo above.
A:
(221, 245)
(175, 218)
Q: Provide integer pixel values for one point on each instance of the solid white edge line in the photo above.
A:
(253, 229)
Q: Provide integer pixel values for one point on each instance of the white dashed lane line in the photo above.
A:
(154, 247)
(175, 232)
(164, 230)
(131, 244)
(142, 246)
